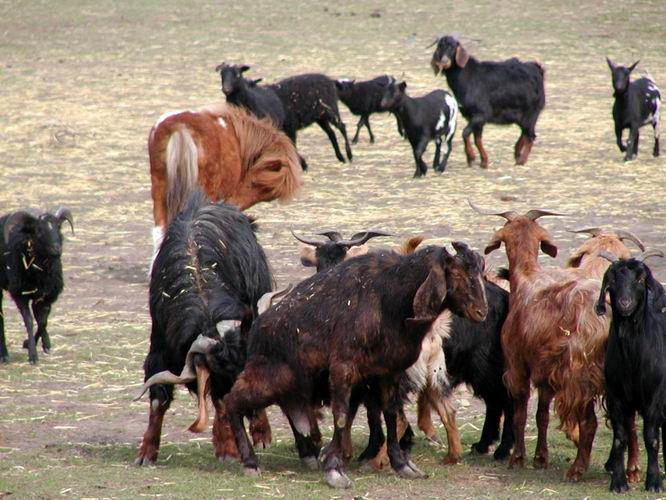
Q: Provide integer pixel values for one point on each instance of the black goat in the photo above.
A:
(423, 119)
(261, 101)
(636, 104)
(304, 99)
(326, 254)
(635, 363)
(363, 99)
(364, 318)
(207, 278)
(31, 270)
(503, 92)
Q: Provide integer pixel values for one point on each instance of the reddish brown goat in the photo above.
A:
(551, 337)
(230, 154)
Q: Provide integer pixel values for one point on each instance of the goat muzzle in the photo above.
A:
(439, 66)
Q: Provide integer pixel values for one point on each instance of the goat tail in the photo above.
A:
(182, 169)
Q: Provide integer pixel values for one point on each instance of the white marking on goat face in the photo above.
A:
(222, 123)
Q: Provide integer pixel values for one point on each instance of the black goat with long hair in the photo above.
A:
(31, 271)
(207, 278)
(635, 364)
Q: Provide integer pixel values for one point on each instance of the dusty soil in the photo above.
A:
(81, 86)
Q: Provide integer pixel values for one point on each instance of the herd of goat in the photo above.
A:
(374, 327)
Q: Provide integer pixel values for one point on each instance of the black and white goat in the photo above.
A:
(363, 99)
(303, 100)
(636, 104)
(635, 364)
(423, 119)
(31, 270)
(502, 92)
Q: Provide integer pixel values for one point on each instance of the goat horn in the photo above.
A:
(626, 235)
(433, 43)
(594, 231)
(650, 253)
(313, 243)
(331, 235)
(63, 214)
(219, 67)
(18, 217)
(360, 238)
(508, 215)
(535, 214)
(200, 346)
(608, 256)
(266, 299)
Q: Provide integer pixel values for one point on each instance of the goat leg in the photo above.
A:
(478, 134)
(490, 431)
(41, 311)
(326, 127)
(360, 123)
(24, 309)
(588, 427)
(160, 399)
(653, 482)
(448, 416)
(4, 354)
(542, 419)
(424, 418)
(469, 150)
(223, 438)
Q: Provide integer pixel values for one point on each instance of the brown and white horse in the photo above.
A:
(228, 153)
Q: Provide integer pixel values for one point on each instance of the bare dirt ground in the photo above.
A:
(81, 84)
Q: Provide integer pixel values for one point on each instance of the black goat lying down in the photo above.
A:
(31, 270)
(502, 92)
(635, 364)
(293, 103)
(207, 278)
(636, 104)
(362, 319)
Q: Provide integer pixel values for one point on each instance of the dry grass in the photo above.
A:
(81, 85)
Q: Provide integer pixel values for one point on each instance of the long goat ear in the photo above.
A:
(493, 244)
(461, 56)
(600, 306)
(548, 247)
(18, 218)
(308, 256)
(429, 297)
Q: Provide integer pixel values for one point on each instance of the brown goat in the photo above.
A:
(552, 336)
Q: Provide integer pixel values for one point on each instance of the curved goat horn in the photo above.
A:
(508, 215)
(626, 235)
(200, 346)
(650, 253)
(594, 231)
(433, 43)
(267, 299)
(314, 243)
(64, 214)
(360, 238)
(610, 257)
(331, 235)
(17, 218)
(535, 214)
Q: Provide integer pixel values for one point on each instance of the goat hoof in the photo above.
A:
(225, 458)
(517, 462)
(451, 459)
(144, 461)
(410, 471)
(47, 350)
(311, 463)
(337, 479)
(33, 361)
(4, 359)
(480, 448)
(633, 476)
(540, 462)
(434, 438)
(574, 474)
(501, 453)
(618, 486)
(250, 471)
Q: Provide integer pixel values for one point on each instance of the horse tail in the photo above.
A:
(182, 171)
(268, 157)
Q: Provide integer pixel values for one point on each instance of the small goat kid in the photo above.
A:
(636, 104)
(423, 119)
(31, 270)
